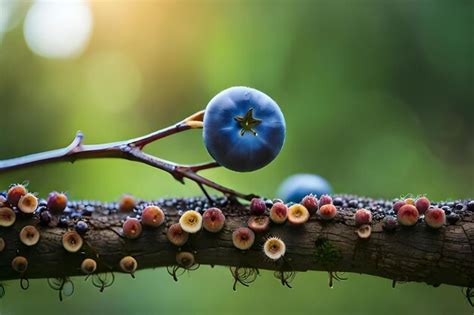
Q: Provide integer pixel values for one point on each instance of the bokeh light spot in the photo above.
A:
(58, 29)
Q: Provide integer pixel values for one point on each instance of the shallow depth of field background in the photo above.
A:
(378, 98)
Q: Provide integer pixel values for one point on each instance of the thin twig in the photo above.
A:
(131, 150)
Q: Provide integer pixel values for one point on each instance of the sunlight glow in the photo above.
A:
(58, 29)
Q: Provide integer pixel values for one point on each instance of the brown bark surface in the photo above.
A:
(416, 253)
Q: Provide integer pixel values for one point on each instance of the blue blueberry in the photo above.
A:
(244, 129)
(338, 201)
(470, 205)
(296, 187)
(45, 217)
(81, 227)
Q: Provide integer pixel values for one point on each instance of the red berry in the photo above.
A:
(363, 216)
(15, 193)
(435, 218)
(257, 206)
(325, 200)
(213, 220)
(408, 215)
(311, 203)
(422, 204)
(259, 224)
(132, 228)
(327, 212)
(153, 216)
(57, 202)
(278, 213)
(397, 205)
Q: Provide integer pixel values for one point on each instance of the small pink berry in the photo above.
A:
(397, 205)
(176, 235)
(311, 203)
(259, 224)
(213, 220)
(279, 213)
(257, 206)
(57, 202)
(132, 228)
(389, 223)
(243, 238)
(327, 211)
(363, 216)
(15, 193)
(325, 200)
(435, 218)
(127, 203)
(408, 215)
(422, 204)
(153, 216)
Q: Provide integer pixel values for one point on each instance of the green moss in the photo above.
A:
(327, 254)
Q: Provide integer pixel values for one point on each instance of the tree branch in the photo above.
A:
(416, 253)
(131, 150)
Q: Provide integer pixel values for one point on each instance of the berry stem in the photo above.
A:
(131, 150)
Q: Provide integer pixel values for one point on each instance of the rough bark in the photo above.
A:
(416, 253)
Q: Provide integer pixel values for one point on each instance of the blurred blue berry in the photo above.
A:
(81, 227)
(296, 187)
(244, 129)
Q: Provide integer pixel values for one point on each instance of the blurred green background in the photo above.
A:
(378, 98)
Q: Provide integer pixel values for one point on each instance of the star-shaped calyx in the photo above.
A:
(248, 122)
